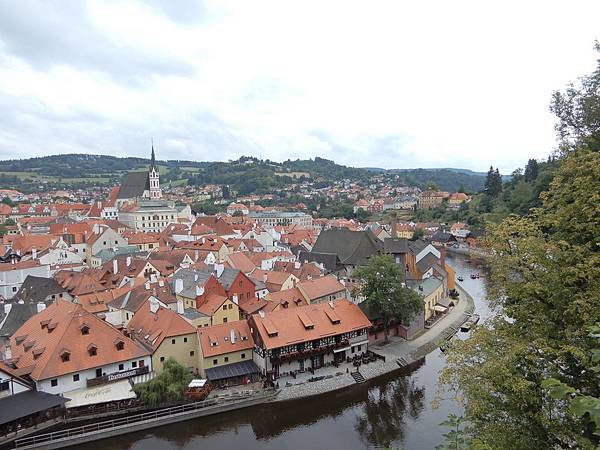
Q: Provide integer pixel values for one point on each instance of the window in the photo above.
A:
(99, 372)
(14, 289)
(224, 319)
(359, 348)
(134, 364)
(65, 356)
(141, 363)
(54, 382)
(92, 350)
(162, 359)
(116, 242)
(224, 307)
(85, 329)
(5, 385)
(215, 362)
(230, 306)
(120, 345)
(243, 356)
(227, 359)
(121, 367)
(76, 377)
(172, 341)
(103, 242)
(184, 339)
(192, 353)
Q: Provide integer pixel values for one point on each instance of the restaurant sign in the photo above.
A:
(116, 376)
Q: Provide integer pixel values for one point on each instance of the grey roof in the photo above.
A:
(395, 245)
(417, 246)
(238, 369)
(330, 261)
(36, 289)
(427, 286)
(191, 279)
(107, 254)
(192, 314)
(442, 236)
(26, 403)
(427, 261)
(134, 185)
(351, 247)
(19, 314)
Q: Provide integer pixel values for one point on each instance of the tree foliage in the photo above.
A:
(545, 277)
(167, 387)
(578, 111)
(385, 291)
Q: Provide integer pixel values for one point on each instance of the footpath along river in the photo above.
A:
(392, 411)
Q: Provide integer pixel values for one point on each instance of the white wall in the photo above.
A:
(11, 280)
(66, 383)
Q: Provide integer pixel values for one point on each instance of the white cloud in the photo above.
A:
(387, 83)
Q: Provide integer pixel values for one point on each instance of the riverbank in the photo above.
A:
(397, 353)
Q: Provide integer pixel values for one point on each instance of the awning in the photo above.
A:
(440, 308)
(26, 403)
(112, 392)
(343, 349)
(238, 369)
(444, 302)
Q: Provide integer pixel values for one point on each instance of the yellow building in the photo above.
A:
(219, 309)
(227, 344)
(167, 333)
(432, 290)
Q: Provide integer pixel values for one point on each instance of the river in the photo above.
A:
(394, 411)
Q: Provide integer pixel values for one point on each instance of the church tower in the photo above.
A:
(153, 177)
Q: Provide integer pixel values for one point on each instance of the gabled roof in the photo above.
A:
(396, 245)
(152, 328)
(352, 247)
(58, 329)
(216, 340)
(307, 323)
(240, 261)
(211, 303)
(134, 185)
(35, 289)
(320, 287)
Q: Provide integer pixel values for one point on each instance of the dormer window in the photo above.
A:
(120, 345)
(92, 350)
(85, 329)
(65, 355)
(52, 326)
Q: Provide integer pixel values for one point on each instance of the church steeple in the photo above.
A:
(154, 178)
(152, 158)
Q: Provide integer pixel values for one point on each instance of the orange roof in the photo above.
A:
(288, 298)
(216, 340)
(5, 267)
(152, 328)
(307, 323)
(320, 287)
(96, 302)
(26, 243)
(46, 336)
(211, 304)
(240, 261)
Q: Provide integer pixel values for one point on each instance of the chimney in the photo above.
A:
(178, 285)
(161, 283)
(128, 261)
(394, 225)
(147, 285)
(132, 282)
(115, 266)
(99, 204)
(297, 264)
(153, 278)
(219, 269)
(7, 307)
(203, 241)
(153, 305)
(40, 307)
(7, 352)
(234, 298)
(199, 291)
(196, 255)
(232, 336)
(180, 307)
(33, 253)
(265, 277)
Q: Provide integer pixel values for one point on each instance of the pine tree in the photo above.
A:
(531, 170)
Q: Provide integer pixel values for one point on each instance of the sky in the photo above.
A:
(392, 84)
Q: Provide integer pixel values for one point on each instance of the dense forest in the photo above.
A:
(246, 175)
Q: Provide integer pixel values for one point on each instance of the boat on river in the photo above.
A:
(460, 279)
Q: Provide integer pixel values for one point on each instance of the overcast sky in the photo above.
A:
(376, 84)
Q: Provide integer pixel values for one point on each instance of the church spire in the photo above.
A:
(152, 158)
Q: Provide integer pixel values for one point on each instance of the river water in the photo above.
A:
(394, 411)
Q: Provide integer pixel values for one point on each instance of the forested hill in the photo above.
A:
(246, 175)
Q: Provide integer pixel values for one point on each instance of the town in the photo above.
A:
(100, 297)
